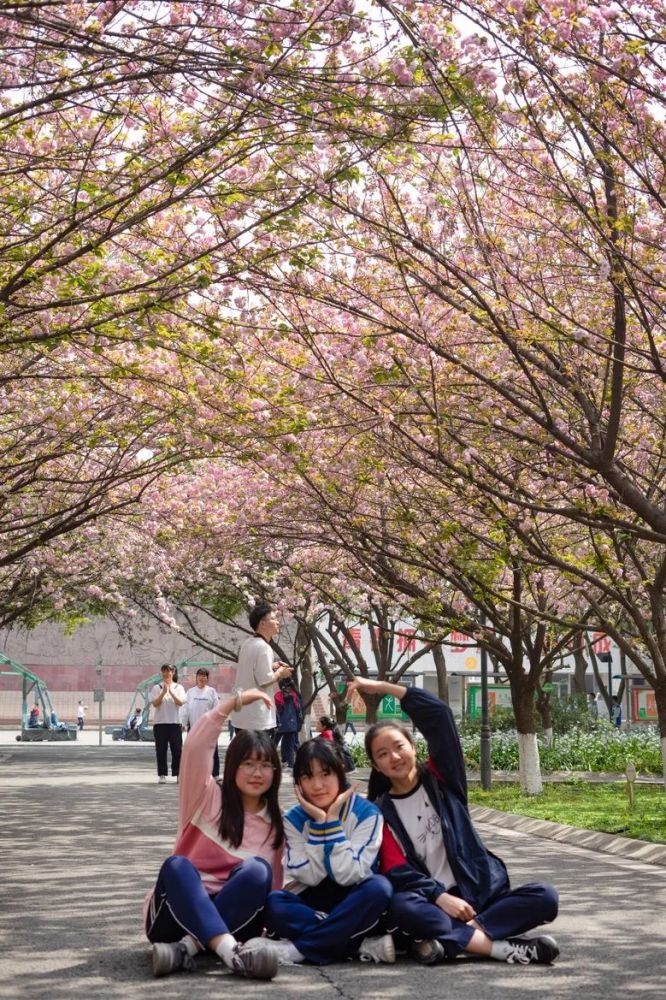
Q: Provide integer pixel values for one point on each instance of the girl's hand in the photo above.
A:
(457, 908)
(335, 808)
(254, 694)
(314, 812)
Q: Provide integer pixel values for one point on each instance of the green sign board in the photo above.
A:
(389, 708)
(499, 696)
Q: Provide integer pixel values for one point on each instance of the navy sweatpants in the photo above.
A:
(516, 912)
(289, 746)
(181, 905)
(168, 735)
(328, 922)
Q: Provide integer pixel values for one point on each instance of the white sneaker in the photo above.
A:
(256, 959)
(168, 958)
(377, 949)
(285, 950)
(161, 780)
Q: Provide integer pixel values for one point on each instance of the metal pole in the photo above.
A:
(486, 778)
(610, 675)
(100, 684)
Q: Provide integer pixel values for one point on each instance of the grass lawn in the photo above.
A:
(592, 806)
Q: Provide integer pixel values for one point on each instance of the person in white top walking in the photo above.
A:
(81, 714)
(200, 699)
(256, 669)
(167, 699)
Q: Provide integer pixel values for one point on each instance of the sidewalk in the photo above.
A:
(84, 831)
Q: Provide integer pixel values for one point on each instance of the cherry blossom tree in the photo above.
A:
(515, 253)
(145, 147)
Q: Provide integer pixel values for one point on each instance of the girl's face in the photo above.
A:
(322, 788)
(393, 755)
(254, 777)
(320, 727)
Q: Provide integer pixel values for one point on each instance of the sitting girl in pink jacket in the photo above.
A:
(228, 855)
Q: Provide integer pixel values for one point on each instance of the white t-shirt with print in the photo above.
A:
(424, 828)
(198, 702)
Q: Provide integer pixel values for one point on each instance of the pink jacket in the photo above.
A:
(199, 815)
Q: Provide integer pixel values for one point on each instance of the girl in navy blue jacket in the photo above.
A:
(450, 893)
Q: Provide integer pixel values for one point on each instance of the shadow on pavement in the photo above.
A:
(83, 835)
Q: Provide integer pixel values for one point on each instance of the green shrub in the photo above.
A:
(502, 720)
(570, 713)
(602, 748)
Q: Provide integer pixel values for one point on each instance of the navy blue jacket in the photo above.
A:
(480, 875)
(288, 711)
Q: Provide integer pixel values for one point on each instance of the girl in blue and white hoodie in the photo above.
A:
(333, 838)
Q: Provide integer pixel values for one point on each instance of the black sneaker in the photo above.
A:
(524, 951)
(168, 958)
(427, 952)
(256, 959)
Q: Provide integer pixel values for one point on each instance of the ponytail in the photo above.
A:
(328, 723)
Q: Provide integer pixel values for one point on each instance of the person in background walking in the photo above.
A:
(81, 710)
(616, 712)
(167, 699)
(257, 670)
(201, 699)
(289, 712)
(592, 705)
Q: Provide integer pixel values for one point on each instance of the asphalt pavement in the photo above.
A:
(84, 830)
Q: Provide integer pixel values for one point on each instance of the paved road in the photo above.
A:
(82, 834)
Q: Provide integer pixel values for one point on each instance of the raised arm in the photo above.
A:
(435, 722)
(195, 765)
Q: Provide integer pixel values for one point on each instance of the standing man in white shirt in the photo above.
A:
(201, 699)
(167, 699)
(256, 669)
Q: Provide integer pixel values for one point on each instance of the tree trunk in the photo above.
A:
(372, 703)
(580, 669)
(442, 675)
(530, 765)
(340, 704)
(545, 710)
(603, 690)
(307, 685)
(522, 696)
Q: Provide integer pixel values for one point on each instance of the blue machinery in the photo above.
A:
(35, 692)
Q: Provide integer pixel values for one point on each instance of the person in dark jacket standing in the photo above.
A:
(289, 715)
(450, 893)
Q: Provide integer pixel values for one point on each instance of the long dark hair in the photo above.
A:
(378, 783)
(232, 816)
(327, 756)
